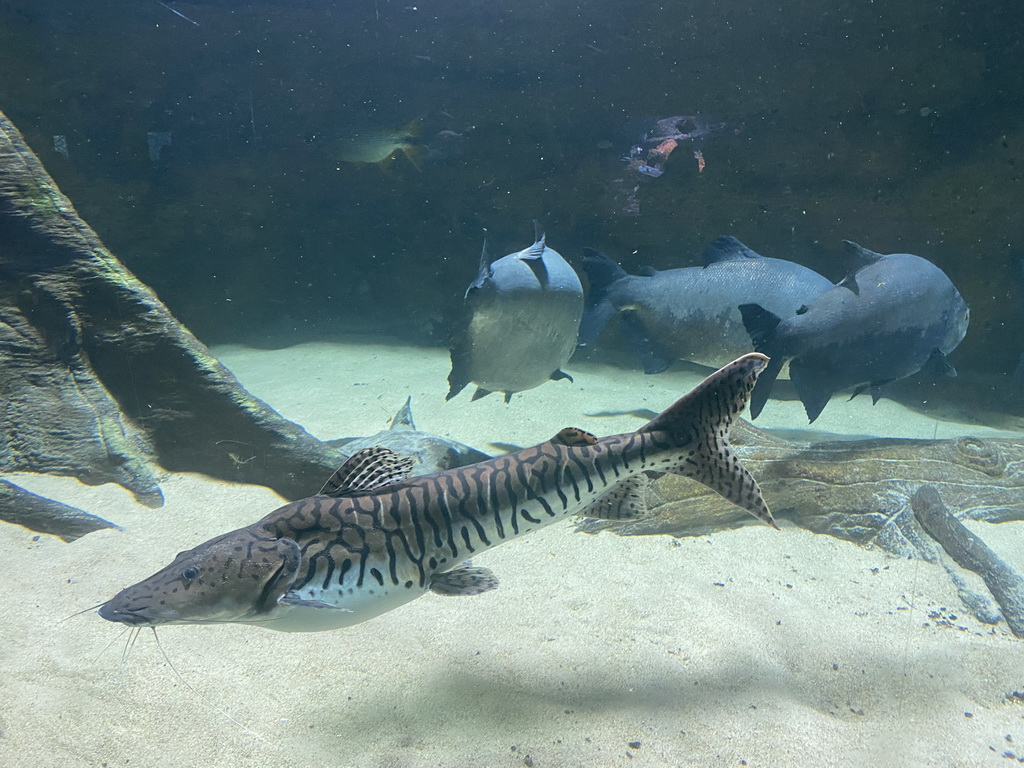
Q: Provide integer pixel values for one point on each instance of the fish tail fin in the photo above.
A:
(698, 424)
(602, 273)
(762, 325)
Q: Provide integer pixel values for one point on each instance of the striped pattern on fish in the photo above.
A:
(376, 538)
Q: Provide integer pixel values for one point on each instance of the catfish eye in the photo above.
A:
(189, 573)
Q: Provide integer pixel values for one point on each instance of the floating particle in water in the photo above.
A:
(60, 144)
(157, 141)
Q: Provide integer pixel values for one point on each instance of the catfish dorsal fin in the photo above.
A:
(367, 470)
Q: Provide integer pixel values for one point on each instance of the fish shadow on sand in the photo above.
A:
(493, 698)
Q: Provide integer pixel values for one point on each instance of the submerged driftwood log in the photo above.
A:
(98, 381)
(970, 552)
(45, 515)
(857, 490)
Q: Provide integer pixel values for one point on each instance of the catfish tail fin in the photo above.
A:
(698, 424)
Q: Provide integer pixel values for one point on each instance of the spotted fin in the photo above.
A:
(464, 580)
(623, 501)
(367, 470)
(698, 424)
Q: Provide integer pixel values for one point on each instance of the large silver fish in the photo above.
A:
(691, 313)
(521, 322)
(376, 538)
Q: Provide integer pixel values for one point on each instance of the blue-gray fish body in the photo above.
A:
(894, 316)
(376, 537)
(521, 321)
(692, 313)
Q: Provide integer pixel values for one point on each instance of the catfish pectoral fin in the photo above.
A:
(298, 602)
(466, 580)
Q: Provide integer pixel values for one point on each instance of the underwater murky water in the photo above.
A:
(308, 185)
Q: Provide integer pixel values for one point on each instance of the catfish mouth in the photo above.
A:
(110, 612)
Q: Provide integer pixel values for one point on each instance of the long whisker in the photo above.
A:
(133, 636)
(113, 640)
(200, 695)
(79, 613)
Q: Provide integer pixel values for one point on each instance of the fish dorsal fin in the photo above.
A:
(403, 418)
(367, 470)
(574, 437)
(861, 258)
(484, 270)
(727, 248)
(533, 257)
(536, 250)
(860, 255)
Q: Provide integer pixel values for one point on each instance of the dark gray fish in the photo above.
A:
(522, 319)
(893, 316)
(691, 313)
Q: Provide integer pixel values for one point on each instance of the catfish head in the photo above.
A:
(236, 577)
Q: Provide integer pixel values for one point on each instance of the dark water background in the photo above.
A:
(895, 124)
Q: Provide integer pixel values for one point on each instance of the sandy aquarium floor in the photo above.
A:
(748, 647)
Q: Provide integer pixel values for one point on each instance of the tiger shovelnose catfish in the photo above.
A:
(376, 538)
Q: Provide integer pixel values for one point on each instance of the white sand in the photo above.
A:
(813, 652)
